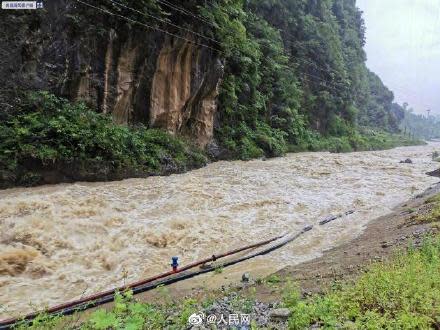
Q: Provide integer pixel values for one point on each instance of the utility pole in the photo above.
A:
(428, 111)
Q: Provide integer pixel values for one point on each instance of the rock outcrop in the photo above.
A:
(184, 90)
(135, 74)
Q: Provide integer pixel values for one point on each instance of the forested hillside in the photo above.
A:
(418, 125)
(239, 79)
(295, 69)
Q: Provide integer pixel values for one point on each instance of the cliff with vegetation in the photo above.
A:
(96, 90)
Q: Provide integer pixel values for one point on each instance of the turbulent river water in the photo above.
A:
(63, 241)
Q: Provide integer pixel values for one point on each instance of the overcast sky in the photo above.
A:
(403, 48)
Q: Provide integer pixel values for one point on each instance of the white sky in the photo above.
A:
(403, 48)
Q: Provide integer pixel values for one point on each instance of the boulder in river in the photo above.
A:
(435, 173)
(406, 161)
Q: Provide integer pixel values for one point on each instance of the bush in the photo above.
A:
(403, 294)
(259, 97)
(51, 134)
(364, 140)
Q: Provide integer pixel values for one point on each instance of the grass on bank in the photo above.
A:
(401, 294)
(363, 140)
(430, 212)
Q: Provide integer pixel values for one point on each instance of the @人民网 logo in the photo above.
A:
(196, 318)
(39, 4)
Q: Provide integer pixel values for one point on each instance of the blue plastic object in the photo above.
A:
(175, 262)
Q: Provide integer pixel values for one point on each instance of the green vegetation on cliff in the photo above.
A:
(294, 79)
(296, 76)
(259, 98)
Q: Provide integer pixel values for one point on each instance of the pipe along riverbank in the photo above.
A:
(177, 274)
(63, 242)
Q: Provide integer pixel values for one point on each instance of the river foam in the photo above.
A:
(60, 242)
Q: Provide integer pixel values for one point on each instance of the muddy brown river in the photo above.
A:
(60, 242)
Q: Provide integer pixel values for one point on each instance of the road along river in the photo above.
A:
(60, 242)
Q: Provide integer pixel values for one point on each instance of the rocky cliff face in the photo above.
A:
(136, 75)
(184, 90)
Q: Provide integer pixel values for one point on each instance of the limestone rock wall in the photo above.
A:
(184, 91)
(136, 75)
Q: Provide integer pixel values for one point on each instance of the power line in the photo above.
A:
(326, 84)
(165, 21)
(300, 61)
(147, 26)
(316, 66)
(319, 78)
(325, 70)
(320, 82)
(187, 12)
(184, 11)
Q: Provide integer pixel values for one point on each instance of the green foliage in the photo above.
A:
(126, 314)
(79, 18)
(296, 70)
(258, 102)
(433, 212)
(295, 79)
(218, 270)
(53, 134)
(402, 294)
(378, 106)
(42, 321)
(273, 279)
(418, 125)
(363, 139)
(188, 307)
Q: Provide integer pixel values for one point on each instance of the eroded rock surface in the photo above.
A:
(184, 91)
(137, 75)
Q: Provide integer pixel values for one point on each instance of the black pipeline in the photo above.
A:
(331, 218)
(176, 275)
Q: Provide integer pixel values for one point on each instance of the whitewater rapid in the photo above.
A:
(60, 242)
